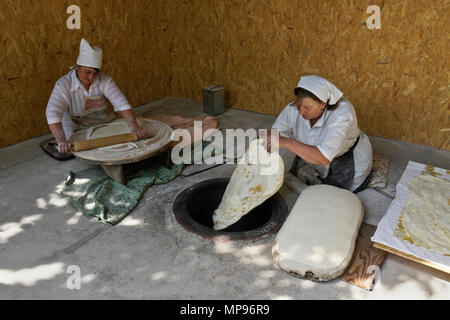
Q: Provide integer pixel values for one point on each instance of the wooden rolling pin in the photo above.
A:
(104, 142)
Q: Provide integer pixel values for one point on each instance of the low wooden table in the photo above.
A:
(113, 158)
(115, 170)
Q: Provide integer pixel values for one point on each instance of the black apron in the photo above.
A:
(340, 172)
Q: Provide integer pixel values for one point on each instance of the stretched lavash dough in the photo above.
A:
(318, 238)
(425, 219)
(257, 177)
(110, 129)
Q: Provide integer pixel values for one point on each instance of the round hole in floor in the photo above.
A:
(194, 206)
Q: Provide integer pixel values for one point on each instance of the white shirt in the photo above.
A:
(68, 98)
(333, 134)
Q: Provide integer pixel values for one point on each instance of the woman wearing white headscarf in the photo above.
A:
(320, 127)
(81, 99)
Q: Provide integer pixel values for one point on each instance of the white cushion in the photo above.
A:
(318, 238)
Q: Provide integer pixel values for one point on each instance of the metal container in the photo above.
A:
(213, 100)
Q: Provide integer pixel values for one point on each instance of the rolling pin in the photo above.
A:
(104, 142)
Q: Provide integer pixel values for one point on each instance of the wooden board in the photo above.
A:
(411, 257)
(366, 262)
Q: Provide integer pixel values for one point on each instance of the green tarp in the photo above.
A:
(98, 197)
(102, 199)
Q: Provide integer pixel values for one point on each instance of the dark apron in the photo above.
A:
(340, 172)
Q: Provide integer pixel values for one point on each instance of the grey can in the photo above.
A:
(213, 100)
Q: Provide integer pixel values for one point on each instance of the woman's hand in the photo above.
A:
(64, 146)
(130, 119)
(141, 132)
(273, 141)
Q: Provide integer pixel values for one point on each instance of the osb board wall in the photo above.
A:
(37, 48)
(192, 38)
(397, 77)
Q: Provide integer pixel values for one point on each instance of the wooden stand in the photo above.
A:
(115, 172)
(411, 257)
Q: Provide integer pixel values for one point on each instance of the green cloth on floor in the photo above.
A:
(102, 199)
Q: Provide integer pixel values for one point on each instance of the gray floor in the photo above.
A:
(44, 242)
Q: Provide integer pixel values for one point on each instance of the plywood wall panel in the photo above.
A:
(192, 32)
(396, 77)
(37, 48)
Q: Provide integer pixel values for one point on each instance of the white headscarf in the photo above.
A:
(321, 88)
(89, 57)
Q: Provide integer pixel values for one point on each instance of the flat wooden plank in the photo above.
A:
(411, 257)
(366, 262)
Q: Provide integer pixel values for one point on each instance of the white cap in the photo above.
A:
(321, 88)
(89, 57)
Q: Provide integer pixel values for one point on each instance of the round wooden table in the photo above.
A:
(112, 158)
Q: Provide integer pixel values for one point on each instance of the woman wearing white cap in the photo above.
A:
(320, 127)
(80, 99)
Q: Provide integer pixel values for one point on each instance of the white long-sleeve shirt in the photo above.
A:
(68, 98)
(333, 134)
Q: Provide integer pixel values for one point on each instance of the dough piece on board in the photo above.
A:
(110, 129)
(318, 238)
(257, 177)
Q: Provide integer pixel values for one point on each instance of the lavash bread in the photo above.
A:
(257, 177)
(318, 238)
(425, 218)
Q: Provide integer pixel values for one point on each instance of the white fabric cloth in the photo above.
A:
(317, 240)
(333, 134)
(68, 98)
(89, 56)
(322, 88)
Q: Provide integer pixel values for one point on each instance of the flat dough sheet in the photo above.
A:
(257, 177)
(389, 224)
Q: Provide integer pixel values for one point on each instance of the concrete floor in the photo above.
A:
(44, 242)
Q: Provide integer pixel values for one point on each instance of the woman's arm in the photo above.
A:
(130, 119)
(60, 137)
(307, 152)
(120, 103)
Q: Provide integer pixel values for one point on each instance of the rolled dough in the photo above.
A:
(425, 219)
(318, 238)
